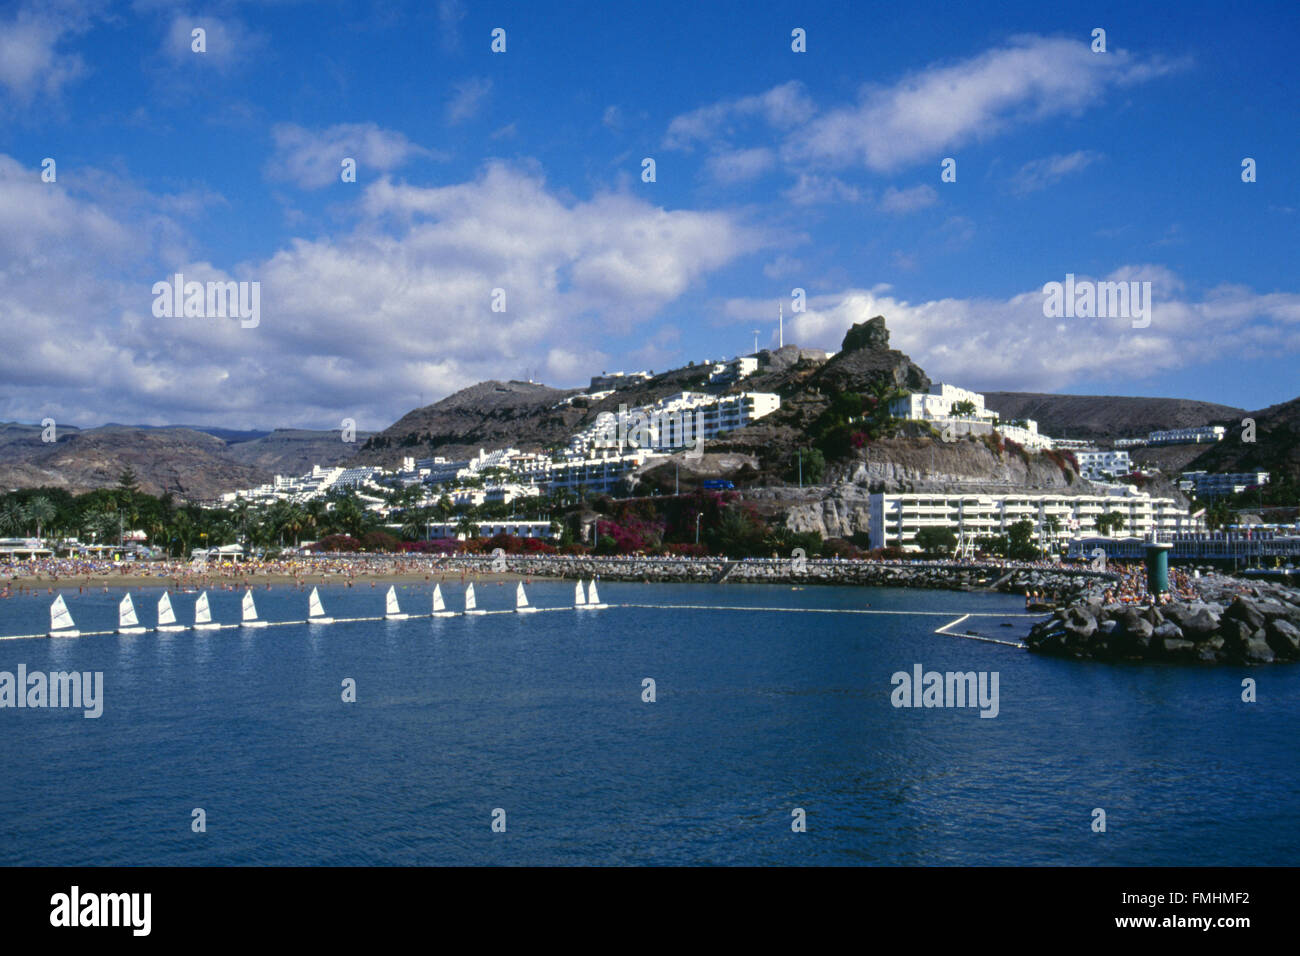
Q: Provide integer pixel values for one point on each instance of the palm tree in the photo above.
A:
(42, 511)
(294, 521)
(13, 518)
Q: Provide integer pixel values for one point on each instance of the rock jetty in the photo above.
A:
(1235, 622)
(1061, 584)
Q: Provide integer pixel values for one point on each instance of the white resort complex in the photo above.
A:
(896, 518)
(960, 412)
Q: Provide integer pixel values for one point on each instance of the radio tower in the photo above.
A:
(780, 324)
(755, 331)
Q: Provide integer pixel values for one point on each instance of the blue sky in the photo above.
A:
(521, 171)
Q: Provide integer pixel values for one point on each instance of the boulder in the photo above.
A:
(1258, 651)
(1283, 637)
(1210, 650)
(1167, 631)
(1246, 610)
(1196, 622)
(870, 334)
(1080, 625)
(1179, 650)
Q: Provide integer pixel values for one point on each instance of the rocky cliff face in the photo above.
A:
(916, 465)
(833, 511)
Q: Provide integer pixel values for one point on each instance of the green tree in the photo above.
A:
(41, 512)
(936, 540)
(1020, 545)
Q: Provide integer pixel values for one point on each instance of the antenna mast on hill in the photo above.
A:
(755, 331)
(780, 324)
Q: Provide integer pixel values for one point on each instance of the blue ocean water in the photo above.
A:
(757, 713)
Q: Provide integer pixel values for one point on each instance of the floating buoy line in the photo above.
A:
(62, 624)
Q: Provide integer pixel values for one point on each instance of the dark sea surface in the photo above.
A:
(757, 713)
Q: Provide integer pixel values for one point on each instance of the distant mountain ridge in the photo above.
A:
(191, 464)
(1106, 416)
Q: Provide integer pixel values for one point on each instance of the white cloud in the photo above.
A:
(356, 324)
(942, 107)
(1040, 173)
(783, 267)
(228, 43)
(782, 107)
(908, 200)
(925, 113)
(1009, 345)
(740, 165)
(467, 98)
(450, 13)
(811, 189)
(311, 158)
(31, 62)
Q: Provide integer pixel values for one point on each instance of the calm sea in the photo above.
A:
(758, 713)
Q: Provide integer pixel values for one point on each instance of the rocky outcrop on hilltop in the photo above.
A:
(865, 361)
(1232, 623)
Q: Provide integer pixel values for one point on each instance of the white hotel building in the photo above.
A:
(896, 518)
(677, 421)
(1096, 465)
(936, 408)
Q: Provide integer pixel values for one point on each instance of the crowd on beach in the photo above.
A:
(22, 576)
(1132, 586)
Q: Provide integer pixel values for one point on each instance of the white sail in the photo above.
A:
(579, 599)
(314, 607)
(391, 602)
(202, 614)
(521, 599)
(60, 617)
(592, 596)
(438, 605)
(250, 609)
(165, 613)
(469, 598)
(126, 613)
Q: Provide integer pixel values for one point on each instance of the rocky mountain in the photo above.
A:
(1106, 416)
(487, 415)
(189, 464)
(1276, 448)
(293, 451)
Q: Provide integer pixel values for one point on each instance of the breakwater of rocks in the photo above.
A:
(1235, 622)
(1063, 584)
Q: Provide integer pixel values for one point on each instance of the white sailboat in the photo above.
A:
(471, 606)
(250, 612)
(203, 615)
(166, 616)
(521, 601)
(316, 610)
(593, 599)
(439, 607)
(391, 610)
(579, 599)
(127, 622)
(61, 620)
